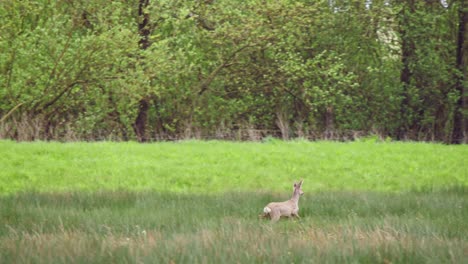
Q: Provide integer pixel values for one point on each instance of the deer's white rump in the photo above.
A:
(289, 208)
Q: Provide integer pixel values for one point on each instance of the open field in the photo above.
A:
(214, 166)
(336, 227)
(197, 202)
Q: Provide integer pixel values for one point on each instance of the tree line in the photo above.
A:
(157, 70)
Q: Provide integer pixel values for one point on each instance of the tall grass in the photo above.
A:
(336, 227)
(198, 202)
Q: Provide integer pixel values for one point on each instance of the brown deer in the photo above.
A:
(289, 208)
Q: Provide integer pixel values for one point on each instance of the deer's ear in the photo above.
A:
(300, 183)
(295, 184)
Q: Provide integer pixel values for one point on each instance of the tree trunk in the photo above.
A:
(407, 53)
(329, 123)
(139, 125)
(143, 24)
(459, 134)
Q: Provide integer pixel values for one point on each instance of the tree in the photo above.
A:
(143, 70)
(408, 47)
(460, 134)
(143, 104)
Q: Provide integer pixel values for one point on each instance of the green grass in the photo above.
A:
(216, 167)
(198, 202)
(336, 227)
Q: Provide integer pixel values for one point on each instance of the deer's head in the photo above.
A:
(298, 188)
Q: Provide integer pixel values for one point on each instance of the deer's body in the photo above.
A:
(289, 208)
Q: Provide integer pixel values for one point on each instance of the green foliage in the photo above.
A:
(75, 70)
(428, 30)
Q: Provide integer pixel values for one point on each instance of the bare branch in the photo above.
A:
(226, 63)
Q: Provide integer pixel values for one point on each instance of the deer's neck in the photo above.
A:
(295, 197)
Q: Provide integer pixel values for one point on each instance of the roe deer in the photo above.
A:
(289, 208)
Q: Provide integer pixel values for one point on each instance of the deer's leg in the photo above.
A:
(296, 215)
(275, 216)
(264, 215)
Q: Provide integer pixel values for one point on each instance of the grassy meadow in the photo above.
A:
(198, 202)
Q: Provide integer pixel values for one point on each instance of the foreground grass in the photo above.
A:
(336, 227)
(213, 166)
(197, 202)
